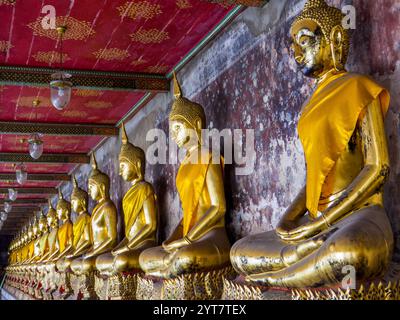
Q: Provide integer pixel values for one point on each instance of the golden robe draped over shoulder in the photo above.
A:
(64, 235)
(81, 223)
(190, 182)
(132, 203)
(327, 123)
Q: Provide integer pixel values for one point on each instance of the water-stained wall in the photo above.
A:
(247, 79)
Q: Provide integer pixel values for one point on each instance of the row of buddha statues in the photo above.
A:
(337, 219)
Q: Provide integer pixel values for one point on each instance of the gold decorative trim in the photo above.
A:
(158, 69)
(45, 158)
(76, 29)
(380, 291)
(139, 10)
(7, 2)
(138, 62)
(27, 102)
(111, 54)
(149, 36)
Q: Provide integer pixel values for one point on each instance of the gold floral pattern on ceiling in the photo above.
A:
(138, 62)
(149, 36)
(76, 29)
(98, 104)
(87, 93)
(27, 102)
(183, 4)
(50, 57)
(111, 54)
(5, 46)
(158, 69)
(139, 9)
(74, 114)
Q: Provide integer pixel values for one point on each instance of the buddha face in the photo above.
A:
(62, 212)
(51, 219)
(77, 205)
(42, 225)
(312, 52)
(35, 230)
(94, 190)
(128, 171)
(182, 134)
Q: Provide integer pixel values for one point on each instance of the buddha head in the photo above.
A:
(320, 42)
(186, 119)
(35, 228)
(43, 227)
(63, 207)
(99, 182)
(132, 161)
(29, 232)
(79, 198)
(51, 216)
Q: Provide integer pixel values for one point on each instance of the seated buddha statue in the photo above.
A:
(48, 243)
(64, 234)
(41, 229)
(34, 243)
(338, 218)
(199, 242)
(81, 228)
(140, 214)
(103, 222)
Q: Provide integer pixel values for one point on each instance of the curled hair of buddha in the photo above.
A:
(78, 193)
(98, 177)
(62, 203)
(131, 153)
(185, 110)
(327, 18)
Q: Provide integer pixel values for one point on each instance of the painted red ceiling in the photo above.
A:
(142, 36)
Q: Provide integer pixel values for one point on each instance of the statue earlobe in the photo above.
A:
(336, 45)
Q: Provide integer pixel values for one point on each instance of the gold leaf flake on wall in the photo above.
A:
(111, 54)
(76, 29)
(7, 2)
(158, 69)
(5, 46)
(149, 36)
(138, 62)
(87, 93)
(139, 9)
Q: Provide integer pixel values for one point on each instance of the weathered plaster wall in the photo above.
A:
(247, 79)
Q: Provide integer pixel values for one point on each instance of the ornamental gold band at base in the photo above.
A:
(84, 286)
(121, 286)
(192, 286)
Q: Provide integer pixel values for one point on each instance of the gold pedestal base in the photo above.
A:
(64, 286)
(374, 291)
(121, 286)
(207, 285)
(84, 286)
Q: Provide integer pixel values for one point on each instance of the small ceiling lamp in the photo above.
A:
(60, 87)
(12, 194)
(21, 174)
(7, 207)
(35, 141)
(3, 216)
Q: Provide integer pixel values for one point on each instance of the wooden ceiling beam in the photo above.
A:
(86, 79)
(56, 129)
(79, 158)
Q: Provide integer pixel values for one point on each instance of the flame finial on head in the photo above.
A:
(177, 87)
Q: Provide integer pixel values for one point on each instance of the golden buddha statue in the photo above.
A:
(338, 219)
(49, 243)
(81, 228)
(103, 221)
(140, 213)
(40, 229)
(64, 234)
(199, 242)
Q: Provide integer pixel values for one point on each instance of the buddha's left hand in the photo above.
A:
(303, 232)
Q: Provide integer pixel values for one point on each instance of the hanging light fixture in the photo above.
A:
(7, 207)
(35, 141)
(12, 194)
(60, 87)
(21, 174)
(3, 216)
